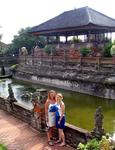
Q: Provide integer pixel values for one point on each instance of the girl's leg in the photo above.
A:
(62, 137)
(49, 133)
(59, 134)
(49, 136)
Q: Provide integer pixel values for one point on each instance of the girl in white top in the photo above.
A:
(50, 115)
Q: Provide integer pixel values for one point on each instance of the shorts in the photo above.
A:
(62, 122)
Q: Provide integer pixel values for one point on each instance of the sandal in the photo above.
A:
(50, 143)
(58, 141)
(54, 138)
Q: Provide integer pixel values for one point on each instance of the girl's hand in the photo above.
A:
(59, 121)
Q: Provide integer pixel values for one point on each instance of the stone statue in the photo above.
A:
(38, 100)
(23, 51)
(11, 94)
(26, 96)
(11, 99)
(98, 131)
(10, 91)
(2, 70)
(98, 118)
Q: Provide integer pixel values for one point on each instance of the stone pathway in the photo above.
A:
(17, 135)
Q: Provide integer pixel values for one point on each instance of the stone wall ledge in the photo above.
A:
(102, 87)
(22, 106)
(81, 130)
(86, 76)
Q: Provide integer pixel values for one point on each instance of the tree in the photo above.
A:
(24, 39)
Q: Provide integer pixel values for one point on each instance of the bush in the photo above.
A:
(107, 50)
(76, 40)
(13, 67)
(91, 145)
(49, 48)
(85, 51)
(112, 51)
(94, 144)
(2, 147)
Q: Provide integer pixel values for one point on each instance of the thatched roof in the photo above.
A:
(77, 20)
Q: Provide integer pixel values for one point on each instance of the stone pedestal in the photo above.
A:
(38, 101)
(8, 105)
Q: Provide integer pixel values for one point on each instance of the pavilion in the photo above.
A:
(95, 27)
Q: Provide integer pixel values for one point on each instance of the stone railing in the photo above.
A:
(74, 135)
(67, 60)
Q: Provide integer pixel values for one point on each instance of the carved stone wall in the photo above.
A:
(98, 83)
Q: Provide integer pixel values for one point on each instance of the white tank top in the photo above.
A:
(51, 116)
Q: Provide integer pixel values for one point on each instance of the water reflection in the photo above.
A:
(80, 108)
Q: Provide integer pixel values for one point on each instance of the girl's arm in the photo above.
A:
(63, 111)
(46, 109)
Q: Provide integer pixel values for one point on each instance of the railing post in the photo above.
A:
(51, 57)
(113, 59)
(32, 60)
(41, 59)
(98, 62)
(80, 62)
(65, 58)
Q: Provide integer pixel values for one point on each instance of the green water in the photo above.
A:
(80, 108)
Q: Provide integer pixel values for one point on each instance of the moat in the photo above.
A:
(80, 108)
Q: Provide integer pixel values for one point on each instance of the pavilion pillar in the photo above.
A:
(57, 39)
(64, 57)
(84, 37)
(47, 40)
(110, 35)
(66, 38)
(51, 57)
(89, 36)
(107, 36)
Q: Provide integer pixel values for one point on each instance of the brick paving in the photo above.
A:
(17, 135)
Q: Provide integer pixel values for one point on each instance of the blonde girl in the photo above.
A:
(60, 118)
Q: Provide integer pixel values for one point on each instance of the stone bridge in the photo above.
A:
(8, 60)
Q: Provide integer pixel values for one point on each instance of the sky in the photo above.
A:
(17, 14)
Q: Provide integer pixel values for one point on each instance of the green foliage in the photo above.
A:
(91, 145)
(94, 144)
(49, 48)
(3, 147)
(85, 51)
(112, 51)
(3, 48)
(13, 67)
(24, 39)
(0, 37)
(107, 50)
(76, 40)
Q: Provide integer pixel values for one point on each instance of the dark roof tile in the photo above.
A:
(75, 18)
